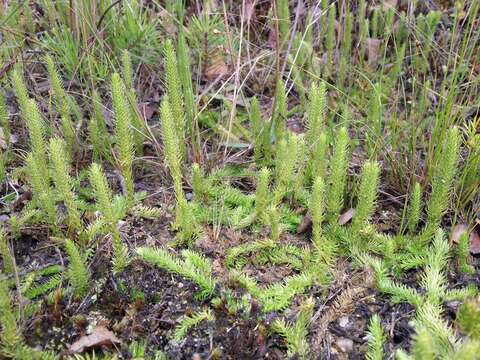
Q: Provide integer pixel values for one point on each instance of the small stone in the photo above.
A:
(345, 345)
(454, 304)
(343, 321)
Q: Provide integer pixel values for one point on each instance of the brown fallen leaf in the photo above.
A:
(216, 69)
(346, 216)
(305, 225)
(146, 110)
(373, 49)
(272, 37)
(388, 4)
(43, 86)
(457, 231)
(474, 237)
(100, 336)
(474, 242)
(3, 141)
(249, 12)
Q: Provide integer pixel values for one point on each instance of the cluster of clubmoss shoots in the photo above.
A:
(297, 176)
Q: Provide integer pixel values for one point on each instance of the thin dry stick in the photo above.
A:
(237, 78)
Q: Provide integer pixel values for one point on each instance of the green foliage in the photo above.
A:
(414, 209)
(138, 349)
(127, 69)
(184, 72)
(295, 334)
(468, 318)
(102, 194)
(462, 254)
(123, 135)
(367, 194)
(315, 137)
(426, 26)
(184, 214)
(392, 59)
(2, 166)
(317, 210)
(97, 130)
(190, 321)
(345, 50)
(277, 296)
(78, 274)
(375, 110)
(37, 133)
(171, 146)
(138, 124)
(174, 93)
(279, 116)
(236, 256)
(146, 212)
(4, 123)
(42, 192)
(376, 339)
(195, 267)
(435, 338)
(21, 92)
(103, 204)
(318, 157)
(64, 183)
(274, 222)
(262, 193)
(338, 174)
(283, 14)
(6, 254)
(286, 159)
(10, 335)
(398, 292)
(330, 40)
(43, 288)
(198, 182)
(64, 103)
(363, 25)
(442, 181)
(257, 130)
(316, 118)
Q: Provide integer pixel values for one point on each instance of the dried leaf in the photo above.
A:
(272, 37)
(373, 49)
(249, 12)
(474, 243)
(100, 336)
(217, 69)
(346, 216)
(43, 86)
(305, 225)
(457, 231)
(474, 237)
(3, 142)
(146, 110)
(388, 4)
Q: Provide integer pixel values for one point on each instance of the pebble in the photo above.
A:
(343, 321)
(345, 345)
(453, 305)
